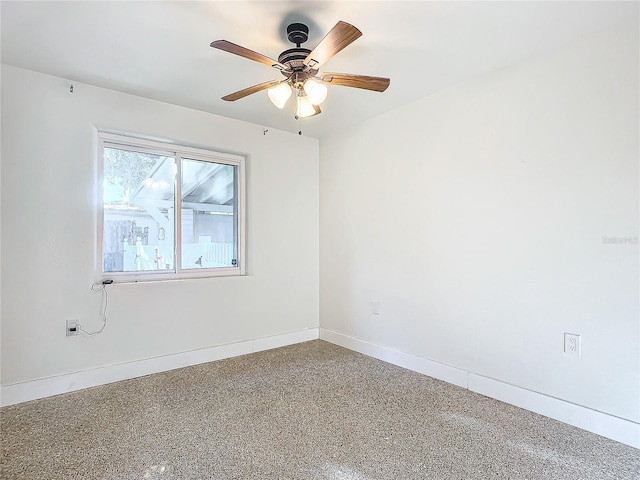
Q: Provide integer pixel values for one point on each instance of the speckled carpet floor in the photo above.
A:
(308, 411)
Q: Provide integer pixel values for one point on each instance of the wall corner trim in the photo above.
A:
(70, 382)
(609, 426)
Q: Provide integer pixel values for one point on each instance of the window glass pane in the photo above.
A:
(138, 230)
(209, 211)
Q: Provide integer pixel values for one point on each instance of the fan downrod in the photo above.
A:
(297, 33)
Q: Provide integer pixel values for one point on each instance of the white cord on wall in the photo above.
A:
(99, 287)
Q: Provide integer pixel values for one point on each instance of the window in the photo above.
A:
(169, 211)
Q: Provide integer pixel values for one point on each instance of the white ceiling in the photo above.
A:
(161, 50)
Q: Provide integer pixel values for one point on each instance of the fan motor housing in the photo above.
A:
(294, 58)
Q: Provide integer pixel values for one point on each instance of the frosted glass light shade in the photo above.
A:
(316, 92)
(279, 94)
(305, 107)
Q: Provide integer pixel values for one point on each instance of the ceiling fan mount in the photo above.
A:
(300, 67)
(297, 33)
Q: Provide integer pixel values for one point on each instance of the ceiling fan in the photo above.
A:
(300, 68)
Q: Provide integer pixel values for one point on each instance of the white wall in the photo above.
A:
(476, 217)
(49, 234)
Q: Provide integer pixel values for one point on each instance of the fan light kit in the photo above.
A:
(300, 68)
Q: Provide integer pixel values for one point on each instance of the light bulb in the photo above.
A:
(279, 94)
(305, 107)
(317, 92)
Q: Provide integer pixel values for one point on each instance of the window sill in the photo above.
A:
(128, 278)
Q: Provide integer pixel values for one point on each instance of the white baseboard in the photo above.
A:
(46, 387)
(615, 428)
(430, 368)
(609, 426)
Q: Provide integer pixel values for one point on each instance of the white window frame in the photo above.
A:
(179, 152)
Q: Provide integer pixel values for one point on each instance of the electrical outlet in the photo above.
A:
(375, 307)
(572, 344)
(73, 327)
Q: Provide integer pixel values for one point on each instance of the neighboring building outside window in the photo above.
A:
(169, 211)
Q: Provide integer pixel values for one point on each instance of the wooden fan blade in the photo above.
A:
(232, 97)
(338, 37)
(377, 84)
(246, 53)
(317, 109)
